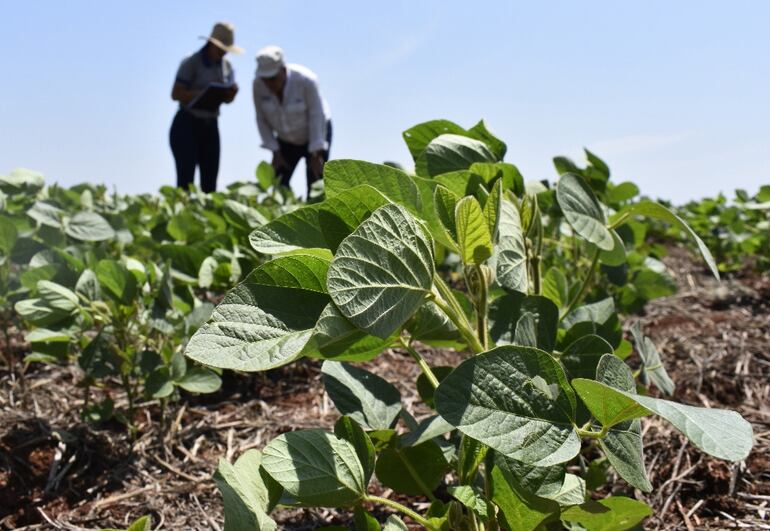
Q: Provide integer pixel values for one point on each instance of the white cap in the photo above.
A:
(269, 61)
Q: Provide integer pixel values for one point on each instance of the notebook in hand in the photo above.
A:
(211, 98)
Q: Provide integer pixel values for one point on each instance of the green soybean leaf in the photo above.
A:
(336, 338)
(37, 312)
(431, 326)
(22, 180)
(116, 280)
(316, 468)
(265, 175)
(88, 227)
(581, 357)
(583, 211)
(481, 132)
(46, 214)
(8, 235)
(159, 383)
(450, 152)
(597, 312)
(413, 470)
(718, 432)
(246, 497)
(363, 521)
(57, 297)
(394, 523)
(623, 443)
(616, 513)
(515, 400)
(185, 227)
(243, 217)
(298, 229)
(341, 214)
(622, 192)
(445, 203)
(510, 254)
(348, 429)
(200, 380)
(519, 510)
(616, 256)
(341, 175)
(363, 396)
(419, 136)
(572, 491)
(492, 209)
(382, 271)
(471, 498)
(257, 326)
(505, 313)
(472, 231)
(657, 211)
(543, 481)
(652, 365)
(425, 389)
(428, 429)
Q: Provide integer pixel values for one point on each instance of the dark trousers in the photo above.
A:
(195, 142)
(292, 153)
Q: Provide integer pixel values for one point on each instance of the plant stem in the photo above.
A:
(446, 292)
(462, 325)
(424, 367)
(586, 284)
(481, 307)
(402, 509)
(588, 434)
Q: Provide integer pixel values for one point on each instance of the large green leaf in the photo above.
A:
(341, 214)
(246, 497)
(583, 211)
(581, 357)
(431, 326)
(116, 280)
(88, 227)
(348, 429)
(543, 481)
(22, 180)
(596, 312)
(516, 401)
(519, 510)
(450, 152)
(472, 231)
(445, 202)
(315, 467)
(506, 312)
(57, 297)
(242, 217)
(652, 365)
(623, 443)
(412, 470)
(265, 321)
(37, 312)
(336, 338)
(718, 432)
(8, 235)
(511, 254)
(616, 513)
(657, 211)
(418, 137)
(362, 395)
(382, 271)
(299, 229)
(341, 175)
(480, 132)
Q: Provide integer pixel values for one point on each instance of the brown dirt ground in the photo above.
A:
(58, 473)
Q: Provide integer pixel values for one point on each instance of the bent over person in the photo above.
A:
(293, 119)
(204, 81)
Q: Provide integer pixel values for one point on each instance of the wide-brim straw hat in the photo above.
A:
(223, 37)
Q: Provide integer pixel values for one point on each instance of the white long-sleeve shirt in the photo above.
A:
(301, 117)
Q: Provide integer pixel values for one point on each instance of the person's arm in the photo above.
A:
(265, 131)
(185, 75)
(316, 120)
(182, 94)
(231, 93)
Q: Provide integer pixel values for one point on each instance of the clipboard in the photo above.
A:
(211, 98)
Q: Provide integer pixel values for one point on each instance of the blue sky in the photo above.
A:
(673, 95)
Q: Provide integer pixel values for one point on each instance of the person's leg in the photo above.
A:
(182, 140)
(291, 155)
(209, 156)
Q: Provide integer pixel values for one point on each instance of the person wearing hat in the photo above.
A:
(194, 134)
(293, 119)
